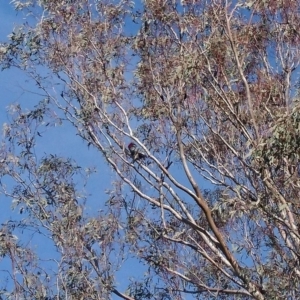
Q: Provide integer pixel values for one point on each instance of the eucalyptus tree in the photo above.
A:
(207, 91)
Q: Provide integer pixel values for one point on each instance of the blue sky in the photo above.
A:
(15, 87)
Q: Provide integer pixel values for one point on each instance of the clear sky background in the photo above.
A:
(15, 87)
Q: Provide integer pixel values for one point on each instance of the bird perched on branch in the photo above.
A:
(135, 153)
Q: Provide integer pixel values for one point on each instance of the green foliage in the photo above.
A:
(209, 92)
